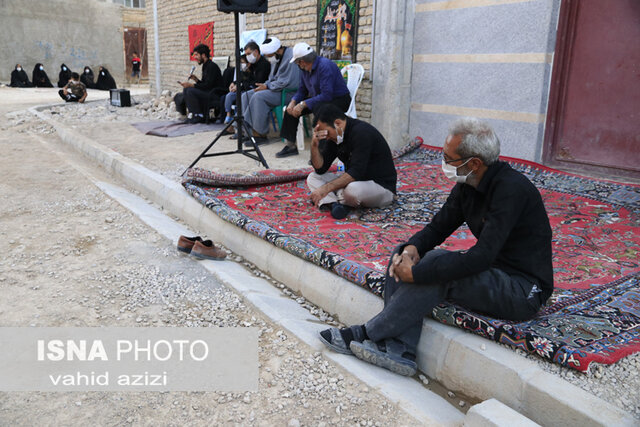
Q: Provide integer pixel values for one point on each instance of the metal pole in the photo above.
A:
(157, 46)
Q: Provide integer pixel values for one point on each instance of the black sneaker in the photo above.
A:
(287, 151)
(195, 120)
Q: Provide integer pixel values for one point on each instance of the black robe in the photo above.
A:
(64, 75)
(20, 79)
(40, 78)
(87, 78)
(105, 81)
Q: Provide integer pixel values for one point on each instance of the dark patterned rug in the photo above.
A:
(594, 314)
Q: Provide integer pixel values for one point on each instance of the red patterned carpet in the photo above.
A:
(594, 315)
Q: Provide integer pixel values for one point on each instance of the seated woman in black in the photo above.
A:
(19, 77)
(64, 75)
(39, 77)
(105, 81)
(87, 78)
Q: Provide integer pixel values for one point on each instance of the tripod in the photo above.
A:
(238, 118)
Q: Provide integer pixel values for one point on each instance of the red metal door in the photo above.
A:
(135, 40)
(594, 106)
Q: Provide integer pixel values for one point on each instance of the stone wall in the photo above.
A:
(292, 21)
(74, 32)
(134, 17)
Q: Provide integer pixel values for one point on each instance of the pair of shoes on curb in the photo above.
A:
(195, 120)
(387, 354)
(200, 249)
(287, 151)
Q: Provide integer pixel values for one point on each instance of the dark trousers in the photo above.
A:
(68, 98)
(290, 123)
(492, 292)
(197, 100)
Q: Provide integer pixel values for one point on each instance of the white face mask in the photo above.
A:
(243, 66)
(64, 68)
(41, 68)
(451, 172)
(272, 59)
(19, 68)
(252, 58)
(86, 71)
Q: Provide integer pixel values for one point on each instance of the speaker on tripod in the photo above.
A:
(237, 7)
(242, 6)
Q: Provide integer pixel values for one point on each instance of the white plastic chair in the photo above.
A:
(354, 72)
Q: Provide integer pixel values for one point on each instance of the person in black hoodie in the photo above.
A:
(19, 77)
(258, 70)
(87, 78)
(39, 77)
(199, 92)
(105, 81)
(64, 75)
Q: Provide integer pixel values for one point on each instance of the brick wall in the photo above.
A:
(134, 17)
(292, 21)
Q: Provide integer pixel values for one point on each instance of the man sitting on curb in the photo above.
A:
(370, 176)
(320, 83)
(507, 274)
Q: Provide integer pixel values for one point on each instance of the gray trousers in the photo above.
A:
(492, 292)
(366, 194)
(256, 107)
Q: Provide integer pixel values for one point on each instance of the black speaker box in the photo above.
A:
(243, 6)
(120, 97)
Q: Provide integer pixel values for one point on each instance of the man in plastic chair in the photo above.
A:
(197, 91)
(507, 274)
(370, 176)
(320, 83)
(257, 103)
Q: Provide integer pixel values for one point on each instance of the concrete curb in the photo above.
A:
(459, 360)
(493, 413)
(424, 406)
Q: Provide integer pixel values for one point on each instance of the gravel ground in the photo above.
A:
(74, 257)
(618, 384)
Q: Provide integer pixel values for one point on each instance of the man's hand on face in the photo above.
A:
(318, 135)
(401, 264)
(317, 195)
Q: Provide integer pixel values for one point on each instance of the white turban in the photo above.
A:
(271, 47)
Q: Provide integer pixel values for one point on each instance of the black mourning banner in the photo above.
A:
(337, 29)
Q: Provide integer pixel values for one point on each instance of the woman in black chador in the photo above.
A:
(105, 81)
(87, 78)
(64, 76)
(19, 77)
(39, 77)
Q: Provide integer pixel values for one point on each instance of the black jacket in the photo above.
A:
(211, 77)
(364, 152)
(258, 73)
(507, 216)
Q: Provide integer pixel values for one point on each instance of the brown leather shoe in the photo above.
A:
(185, 244)
(207, 250)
